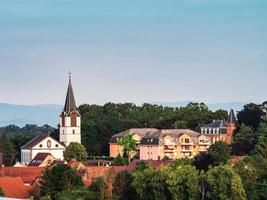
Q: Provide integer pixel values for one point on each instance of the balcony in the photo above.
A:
(204, 143)
(187, 143)
(186, 150)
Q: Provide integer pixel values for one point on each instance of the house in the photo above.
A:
(42, 160)
(13, 187)
(137, 133)
(173, 144)
(70, 131)
(221, 130)
(19, 164)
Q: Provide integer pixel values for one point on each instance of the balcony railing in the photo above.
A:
(187, 143)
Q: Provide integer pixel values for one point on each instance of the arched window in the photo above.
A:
(48, 143)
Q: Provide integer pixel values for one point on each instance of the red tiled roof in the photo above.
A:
(14, 187)
(34, 141)
(235, 159)
(27, 174)
(75, 164)
(38, 159)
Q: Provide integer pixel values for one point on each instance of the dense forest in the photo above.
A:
(99, 123)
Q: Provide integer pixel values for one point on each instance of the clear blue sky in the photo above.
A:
(133, 50)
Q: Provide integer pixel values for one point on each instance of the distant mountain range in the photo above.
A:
(237, 106)
(49, 113)
(29, 114)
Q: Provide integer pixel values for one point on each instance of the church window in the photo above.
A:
(56, 145)
(63, 120)
(48, 143)
(73, 119)
(41, 145)
(73, 131)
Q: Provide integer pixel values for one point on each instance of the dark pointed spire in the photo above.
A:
(70, 104)
(231, 117)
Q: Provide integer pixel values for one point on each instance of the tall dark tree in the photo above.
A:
(251, 115)
(7, 149)
(203, 161)
(220, 151)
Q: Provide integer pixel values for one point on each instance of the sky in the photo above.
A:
(133, 51)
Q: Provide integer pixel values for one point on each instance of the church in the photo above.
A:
(70, 131)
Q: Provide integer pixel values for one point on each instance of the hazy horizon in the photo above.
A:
(133, 51)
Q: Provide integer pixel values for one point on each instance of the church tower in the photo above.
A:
(231, 125)
(70, 119)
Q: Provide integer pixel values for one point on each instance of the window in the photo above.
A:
(40, 145)
(186, 147)
(48, 143)
(186, 140)
(63, 132)
(73, 119)
(56, 145)
(73, 131)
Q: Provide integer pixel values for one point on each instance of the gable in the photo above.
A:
(48, 143)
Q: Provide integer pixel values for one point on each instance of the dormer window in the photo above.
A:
(48, 143)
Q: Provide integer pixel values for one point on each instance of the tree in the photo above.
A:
(77, 194)
(120, 161)
(122, 187)
(100, 187)
(1, 192)
(203, 161)
(181, 162)
(182, 183)
(251, 115)
(59, 178)
(261, 140)
(7, 149)
(243, 141)
(225, 184)
(128, 144)
(220, 152)
(75, 151)
(141, 166)
(150, 184)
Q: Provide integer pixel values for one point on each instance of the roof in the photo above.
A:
(14, 187)
(34, 141)
(142, 132)
(215, 124)
(39, 159)
(76, 164)
(38, 139)
(70, 104)
(231, 118)
(27, 174)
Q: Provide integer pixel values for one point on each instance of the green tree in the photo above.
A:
(122, 187)
(243, 141)
(150, 184)
(225, 184)
(75, 151)
(261, 140)
(1, 192)
(141, 166)
(100, 187)
(120, 161)
(59, 178)
(220, 151)
(17, 142)
(128, 144)
(7, 150)
(203, 161)
(77, 194)
(181, 162)
(183, 183)
(251, 115)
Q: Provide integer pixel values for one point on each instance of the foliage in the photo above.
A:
(1, 192)
(253, 173)
(75, 151)
(243, 141)
(100, 187)
(220, 151)
(261, 140)
(18, 141)
(203, 161)
(6, 148)
(120, 161)
(251, 115)
(59, 178)
(182, 161)
(150, 184)
(122, 187)
(77, 194)
(183, 183)
(128, 144)
(141, 166)
(224, 184)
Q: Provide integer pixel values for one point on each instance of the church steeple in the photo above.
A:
(231, 118)
(70, 119)
(70, 104)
